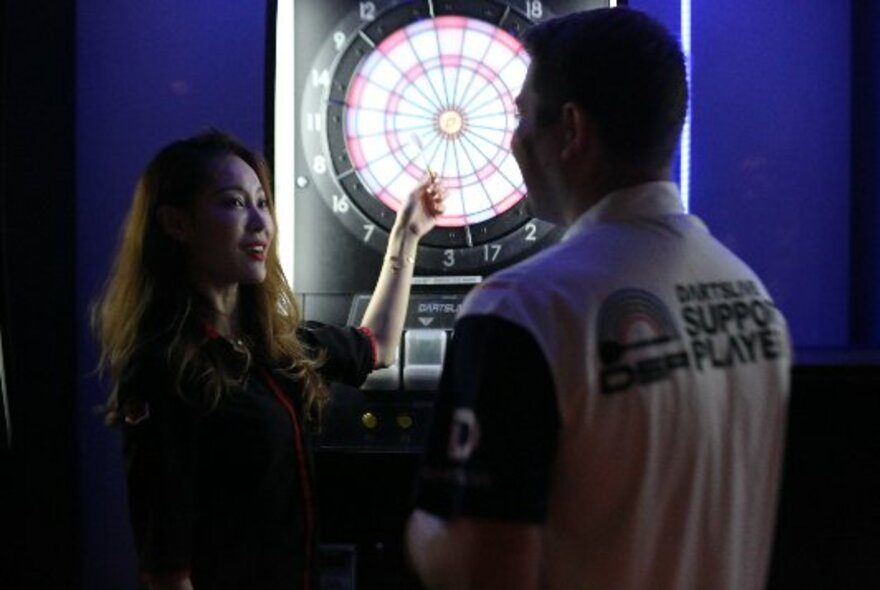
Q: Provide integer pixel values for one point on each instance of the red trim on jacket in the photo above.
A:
(374, 346)
(211, 330)
(303, 472)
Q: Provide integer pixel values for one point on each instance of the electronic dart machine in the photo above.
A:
(367, 97)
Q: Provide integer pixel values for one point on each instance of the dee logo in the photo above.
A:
(464, 434)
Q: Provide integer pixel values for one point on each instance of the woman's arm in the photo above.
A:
(387, 309)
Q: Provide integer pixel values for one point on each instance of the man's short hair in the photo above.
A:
(624, 69)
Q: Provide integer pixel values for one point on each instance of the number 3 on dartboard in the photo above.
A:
(534, 9)
(449, 258)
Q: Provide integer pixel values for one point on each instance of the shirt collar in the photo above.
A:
(650, 199)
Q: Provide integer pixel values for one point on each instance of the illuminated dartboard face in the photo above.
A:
(420, 87)
(439, 94)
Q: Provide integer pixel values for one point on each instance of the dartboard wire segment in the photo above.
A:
(450, 81)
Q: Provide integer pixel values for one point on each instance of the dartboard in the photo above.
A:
(400, 90)
(437, 95)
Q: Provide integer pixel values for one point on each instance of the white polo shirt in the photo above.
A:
(626, 388)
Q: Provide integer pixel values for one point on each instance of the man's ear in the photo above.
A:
(579, 132)
(174, 221)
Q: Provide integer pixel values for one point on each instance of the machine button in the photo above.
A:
(370, 421)
(423, 359)
(404, 421)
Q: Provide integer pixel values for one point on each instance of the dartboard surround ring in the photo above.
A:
(413, 90)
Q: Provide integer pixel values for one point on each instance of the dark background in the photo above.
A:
(785, 166)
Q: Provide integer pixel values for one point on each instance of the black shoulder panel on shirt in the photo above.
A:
(495, 429)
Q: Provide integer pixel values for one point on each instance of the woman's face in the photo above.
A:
(230, 227)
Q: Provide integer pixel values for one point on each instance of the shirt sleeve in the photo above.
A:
(159, 433)
(350, 353)
(495, 428)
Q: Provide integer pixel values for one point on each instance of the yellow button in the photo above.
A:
(369, 421)
(405, 421)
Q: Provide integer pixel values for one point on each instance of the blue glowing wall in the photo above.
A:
(771, 139)
(147, 73)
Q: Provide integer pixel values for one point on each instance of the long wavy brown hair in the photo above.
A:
(148, 304)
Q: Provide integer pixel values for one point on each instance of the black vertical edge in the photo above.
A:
(39, 493)
(269, 83)
(7, 513)
(5, 431)
(864, 183)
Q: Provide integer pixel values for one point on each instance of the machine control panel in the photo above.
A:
(427, 330)
(391, 412)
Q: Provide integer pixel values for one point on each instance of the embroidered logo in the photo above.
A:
(638, 341)
(465, 434)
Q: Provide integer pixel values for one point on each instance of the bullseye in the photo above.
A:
(451, 123)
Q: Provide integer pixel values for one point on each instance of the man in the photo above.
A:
(612, 411)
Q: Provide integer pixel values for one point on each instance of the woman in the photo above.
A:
(216, 378)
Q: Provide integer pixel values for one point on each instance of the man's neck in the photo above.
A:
(595, 189)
